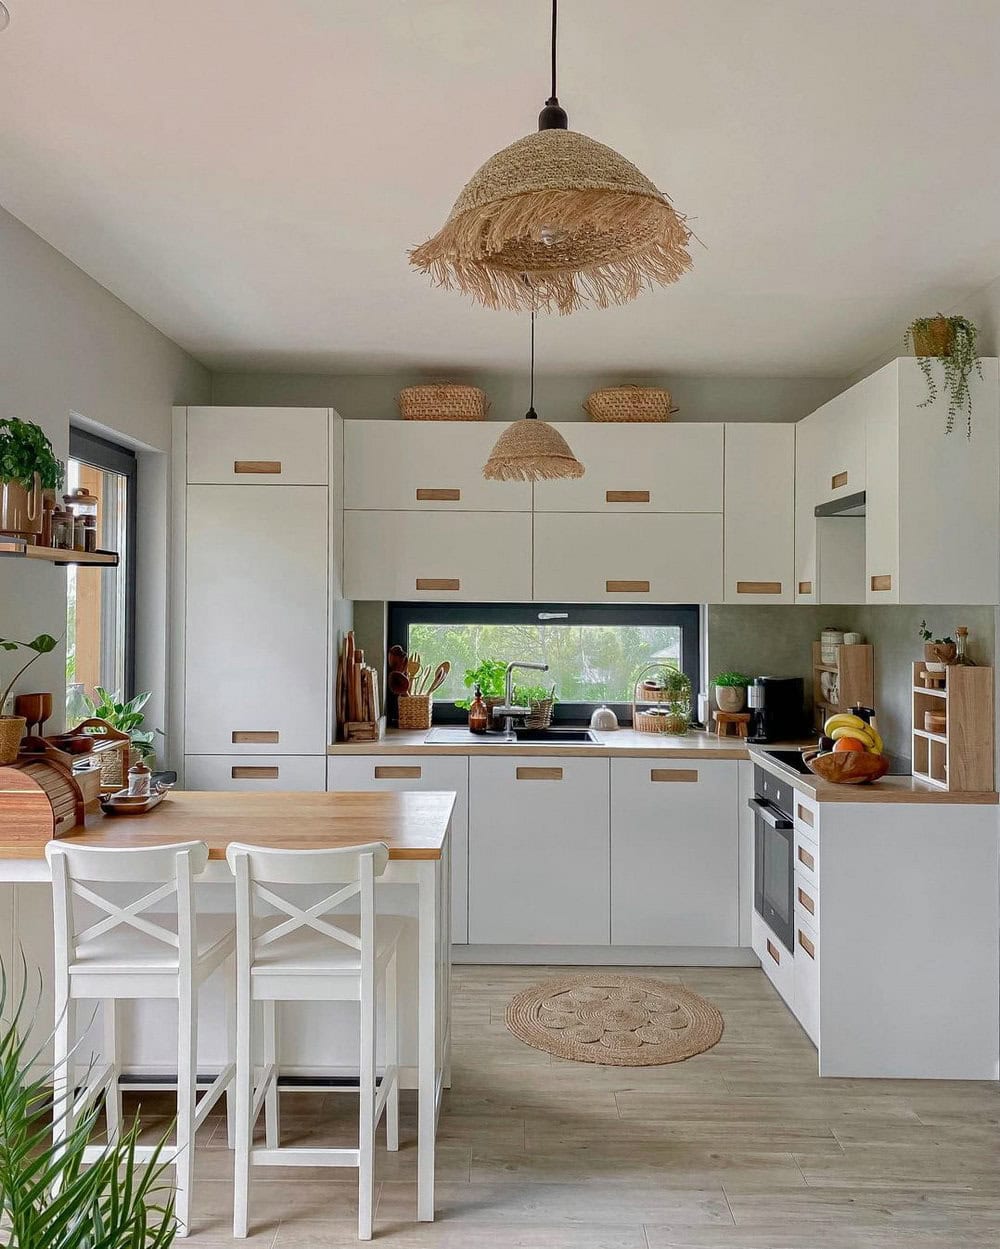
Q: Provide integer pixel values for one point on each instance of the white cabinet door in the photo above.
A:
(397, 772)
(760, 513)
(472, 556)
(538, 851)
(590, 558)
(639, 468)
(238, 773)
(839, 466)
(256, 676)
(674, 852)
(258, 446)
(426, 466)
(808, 437)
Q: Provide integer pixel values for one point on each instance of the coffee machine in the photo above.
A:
(777, 712)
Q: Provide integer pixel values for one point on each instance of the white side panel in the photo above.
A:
(233, 445)
(808, 433)
(840, 559)
(760, 513)
(882, 580)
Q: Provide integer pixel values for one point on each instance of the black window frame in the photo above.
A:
(113, 457)
(399, 617)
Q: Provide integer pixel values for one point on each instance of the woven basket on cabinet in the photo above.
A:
(629, 403)
(442, 401)
(653, 721)
(415, 710)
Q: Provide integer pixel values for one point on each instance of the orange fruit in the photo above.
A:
(847, 743)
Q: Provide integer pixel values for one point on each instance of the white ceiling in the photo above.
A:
(248, 174)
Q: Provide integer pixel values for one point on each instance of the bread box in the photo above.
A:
(39, 799)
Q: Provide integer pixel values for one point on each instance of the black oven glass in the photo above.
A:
(777, 869)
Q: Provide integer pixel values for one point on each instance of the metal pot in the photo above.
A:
(21, 508)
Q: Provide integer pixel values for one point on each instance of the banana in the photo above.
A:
(843, 720)
(862, 735)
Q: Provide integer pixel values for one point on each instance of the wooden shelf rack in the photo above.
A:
(960, 758)
(855, 672)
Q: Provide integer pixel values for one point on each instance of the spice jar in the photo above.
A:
(61, 522)
(139, 780)
(90, 533)
(79, 533)
(81, 502)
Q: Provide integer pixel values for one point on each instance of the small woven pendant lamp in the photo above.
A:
(573, 217)
(530, 449)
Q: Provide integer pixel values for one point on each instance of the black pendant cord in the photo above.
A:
(555, 20)
(552, 117)
(531, 414)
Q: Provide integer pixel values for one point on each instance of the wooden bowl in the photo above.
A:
(848, 767)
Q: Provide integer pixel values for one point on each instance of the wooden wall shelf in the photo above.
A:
(961, 757)
(855, 672)
(17, 548)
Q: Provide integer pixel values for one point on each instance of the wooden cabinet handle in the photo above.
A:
(882, 582)
(804, 814)
(269, 737)
(257, 466)
(428, 495)
(773, 950)
(438, 583)
(260, 773)
(806, 858)
(539, 774)
(838, 481)
(673, 774)
(806, 902)
(806, 944)
(758, 587)
(805, 587)
(626, 587)
(397, 773)
(626, 496)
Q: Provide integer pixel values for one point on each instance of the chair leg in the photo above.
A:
(272, 1129)
(187, 1092)
(62, 1081)
(230, 1054)
(392, 1057)
(366, 1120)
(244, 1101)
(112, 1096)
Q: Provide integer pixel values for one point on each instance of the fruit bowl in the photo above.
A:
(847, 767)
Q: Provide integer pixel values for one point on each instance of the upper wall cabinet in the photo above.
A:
(426, 466)
(639, 468)
(258, 446)
(759, 513)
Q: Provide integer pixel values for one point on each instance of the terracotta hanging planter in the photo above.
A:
(934, 337)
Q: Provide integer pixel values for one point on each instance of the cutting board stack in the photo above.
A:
(359, 713)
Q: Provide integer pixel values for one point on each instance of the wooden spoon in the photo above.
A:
(399, 683)
(397, 658)
(439, 676)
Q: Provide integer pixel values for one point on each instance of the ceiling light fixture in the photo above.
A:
(530, 449)
(556, 221)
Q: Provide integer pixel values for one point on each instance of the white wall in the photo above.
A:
(70, 348)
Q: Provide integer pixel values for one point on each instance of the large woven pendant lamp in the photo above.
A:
(575, 218)
(530, 449)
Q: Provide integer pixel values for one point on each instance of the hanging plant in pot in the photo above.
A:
(27, 467)
(952, 340)
(12, 727)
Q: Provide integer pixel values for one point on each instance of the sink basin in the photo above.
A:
(553, 736)
(527, 737)
(790, 759)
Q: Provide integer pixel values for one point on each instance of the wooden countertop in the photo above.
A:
(622, 743)
(898, 789)
(412, 825)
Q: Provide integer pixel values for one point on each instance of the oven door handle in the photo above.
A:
(761, 807)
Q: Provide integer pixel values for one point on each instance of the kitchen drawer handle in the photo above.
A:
(772, 949)
(806, 944)
(539, 774)
(261, 737)
(673, 774)
(882, 582)
(806, 902)
(806, 859)
(805, 587)
(838, 481)
(438, 583)
(257, 466)
(804, 814)
(397, 773)
(626, 587)
(758, 587)
(426, 495)
(626, 496)
(259, 773)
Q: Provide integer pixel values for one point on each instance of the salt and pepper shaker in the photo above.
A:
(139, 780)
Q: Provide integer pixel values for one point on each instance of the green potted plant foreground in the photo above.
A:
(952, 340)
(12, 727)
(731, 690)
(27, 467)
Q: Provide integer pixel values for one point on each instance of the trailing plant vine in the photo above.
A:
(958, 361)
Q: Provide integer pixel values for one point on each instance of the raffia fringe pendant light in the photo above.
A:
(555, 221)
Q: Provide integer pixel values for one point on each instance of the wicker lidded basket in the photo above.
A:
(415, 710)
(442, 401)
(629, 403)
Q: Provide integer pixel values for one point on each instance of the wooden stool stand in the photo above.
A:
(731, 723)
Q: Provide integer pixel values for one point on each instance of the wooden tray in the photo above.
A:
(114, 804)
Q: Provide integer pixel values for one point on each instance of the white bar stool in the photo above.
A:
(127, 955)
(306, 957)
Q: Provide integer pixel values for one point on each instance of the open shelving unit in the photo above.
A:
(961, 757)
(855, 684)
(18, 548)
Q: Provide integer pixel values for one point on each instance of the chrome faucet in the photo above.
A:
(508, 710)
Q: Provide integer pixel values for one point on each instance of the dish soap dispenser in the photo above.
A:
(479, 719)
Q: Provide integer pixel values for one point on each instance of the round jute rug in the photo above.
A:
(608, 1018)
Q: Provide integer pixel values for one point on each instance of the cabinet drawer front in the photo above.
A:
(233, 772)
(806, 858)
(806, 894)
(760, 513)
(472, 556)
(425, 466)
(581, 558)
(255, 446)
(806, 977)
(776, 961)
(633, 468)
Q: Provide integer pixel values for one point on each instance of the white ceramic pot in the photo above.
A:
(731, 698)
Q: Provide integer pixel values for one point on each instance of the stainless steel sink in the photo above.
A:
(552, 736)
(447, 736)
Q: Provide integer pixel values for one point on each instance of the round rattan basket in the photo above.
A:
(648, 715)
(629, 403)
(442, 401)
(541, 713)
(415, 710)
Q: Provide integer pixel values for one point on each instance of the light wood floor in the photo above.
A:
(740, 1148)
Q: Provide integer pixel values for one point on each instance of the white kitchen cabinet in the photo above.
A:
(471, 556)
(305, 773)
(422, 772)
(760, 513)
(660, 467)
(256, 678)
(674, 852)
(426, 466)
(258, 446)
(539, 840)
(809, 433)
(663, 558)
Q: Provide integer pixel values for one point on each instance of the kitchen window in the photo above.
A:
(100, 602)
(594, 652)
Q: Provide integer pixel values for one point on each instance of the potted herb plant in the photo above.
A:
(12, 727)
(677, 686)
(27, 467)
(731, 690)
(938, 652)
(489, 675)
(952, 340)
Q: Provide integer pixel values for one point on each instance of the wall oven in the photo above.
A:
(774, 863)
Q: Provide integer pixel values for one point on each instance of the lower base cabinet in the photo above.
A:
(249, 773)
(539, 849)
(674, 852)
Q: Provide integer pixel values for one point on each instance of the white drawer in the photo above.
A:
(806, 858)
(806, 815)
(774, 958)
(806, 976)
(304, 773)
(258, 446)
(807, 899)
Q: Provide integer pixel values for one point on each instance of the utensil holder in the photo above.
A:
(415, 710)
(541, 713)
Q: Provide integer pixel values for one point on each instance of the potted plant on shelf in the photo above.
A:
(731, 690)
(952, 340)
(677, 686)
(12, 727)
(27, 467)
(938, 652)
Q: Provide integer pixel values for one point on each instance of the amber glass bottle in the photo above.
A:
(478, 716)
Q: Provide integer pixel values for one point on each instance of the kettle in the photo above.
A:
(604, 720)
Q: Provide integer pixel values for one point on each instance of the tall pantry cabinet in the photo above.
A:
(254, 578)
